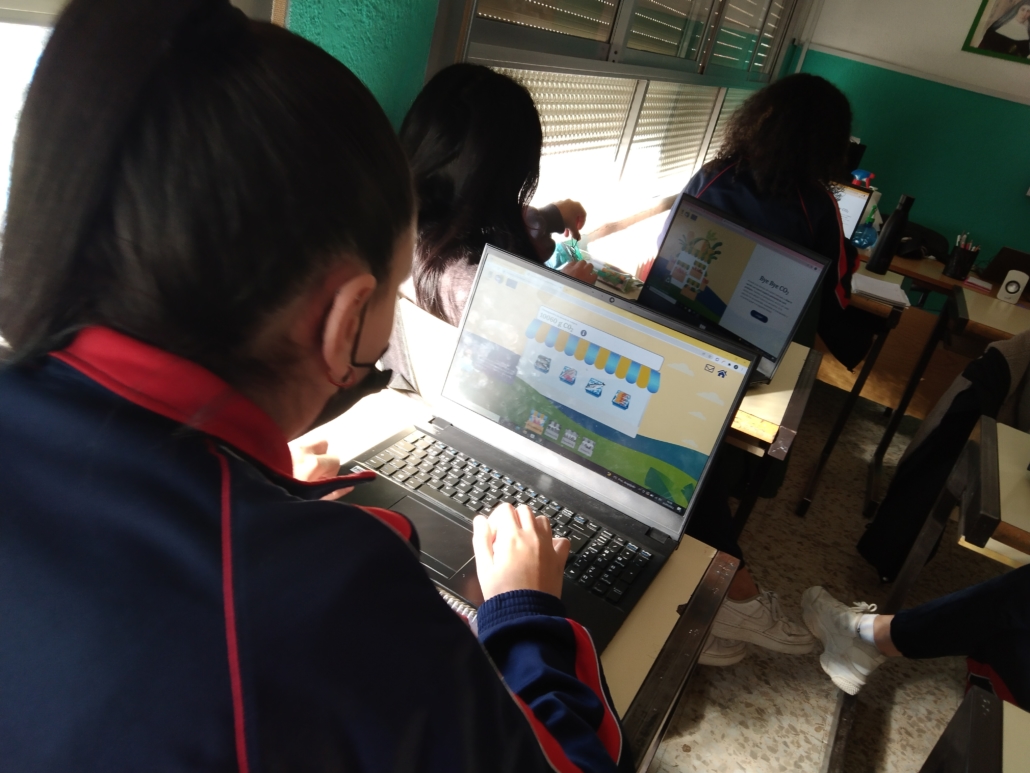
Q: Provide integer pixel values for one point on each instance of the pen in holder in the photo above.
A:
(959, 262)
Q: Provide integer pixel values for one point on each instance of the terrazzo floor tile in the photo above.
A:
(771, 712)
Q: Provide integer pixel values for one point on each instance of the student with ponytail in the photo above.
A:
(209, 219)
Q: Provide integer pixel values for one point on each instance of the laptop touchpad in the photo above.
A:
(441, 538)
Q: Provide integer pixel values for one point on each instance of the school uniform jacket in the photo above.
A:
(172, 599)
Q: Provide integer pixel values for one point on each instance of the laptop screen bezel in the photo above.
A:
(759, 236)
(637, 506)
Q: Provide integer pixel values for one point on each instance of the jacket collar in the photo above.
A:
(185, 392)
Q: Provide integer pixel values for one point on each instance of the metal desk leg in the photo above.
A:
(845, 411)
(876, 466)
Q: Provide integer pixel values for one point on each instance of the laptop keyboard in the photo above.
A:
(599, 559)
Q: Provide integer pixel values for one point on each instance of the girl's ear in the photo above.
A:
(340, 329)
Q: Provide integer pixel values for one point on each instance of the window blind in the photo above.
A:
(670, 27)
(734, 99)
(669, 133)
(582, 18)
(741, 23)
(578, 112)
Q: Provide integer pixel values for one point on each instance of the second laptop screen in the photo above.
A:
(721, 276)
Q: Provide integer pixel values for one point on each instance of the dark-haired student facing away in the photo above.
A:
(196, 260)
(473, 139)
(783, 148)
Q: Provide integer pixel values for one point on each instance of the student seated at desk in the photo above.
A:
(783, 148)
(209, 219)
(473, 138)
(989, 624)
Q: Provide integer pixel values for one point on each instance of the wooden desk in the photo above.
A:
(996, 522)
(991, 487)
(769, 417)
(966, 313)
(655, 651)
(987, 317)
(923, 271)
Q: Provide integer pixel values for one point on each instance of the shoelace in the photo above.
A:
(773, 604)
(862, 608)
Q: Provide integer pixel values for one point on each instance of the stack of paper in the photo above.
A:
(879, 290)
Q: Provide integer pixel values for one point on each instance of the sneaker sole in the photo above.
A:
(841, 681)
(721, 660)
(733, 633)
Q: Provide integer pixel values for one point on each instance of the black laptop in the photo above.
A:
(748, 286)
(598, 413)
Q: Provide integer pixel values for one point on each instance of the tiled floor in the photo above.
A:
(771, 712)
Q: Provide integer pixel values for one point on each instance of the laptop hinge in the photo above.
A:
(658, 536)
(436, 421)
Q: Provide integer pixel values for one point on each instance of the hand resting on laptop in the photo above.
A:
(515, 551)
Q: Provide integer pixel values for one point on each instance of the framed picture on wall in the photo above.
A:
(1001, 29)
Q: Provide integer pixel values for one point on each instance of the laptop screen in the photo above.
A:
(614, 392)
(715, 273)
(851, 202)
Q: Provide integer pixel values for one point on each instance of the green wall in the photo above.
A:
(384, 42)
(964, 156)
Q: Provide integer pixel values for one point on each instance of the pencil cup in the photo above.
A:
(959, 262)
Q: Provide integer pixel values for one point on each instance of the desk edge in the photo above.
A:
(649, 712)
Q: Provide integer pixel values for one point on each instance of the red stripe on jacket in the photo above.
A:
(229, 603)
(553, 752)
(588, 671)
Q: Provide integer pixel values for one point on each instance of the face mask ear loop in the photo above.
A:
(347, 381)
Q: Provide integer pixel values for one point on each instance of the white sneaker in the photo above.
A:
(846, 658)
(760, 621)
(722, 652)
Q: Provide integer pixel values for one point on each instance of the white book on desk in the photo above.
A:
(879, 290)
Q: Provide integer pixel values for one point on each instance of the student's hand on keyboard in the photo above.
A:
(313, 462)
(516, 551)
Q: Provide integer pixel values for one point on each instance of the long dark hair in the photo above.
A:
(181, 172)
(473, 139)
(792, 133)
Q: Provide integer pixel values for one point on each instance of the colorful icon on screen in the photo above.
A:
(543, 364)
(568, 375)
(594, 387)
(536, 422)
(621, 400)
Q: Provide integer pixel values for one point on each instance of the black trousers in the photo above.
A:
(989, 623)
(711, 521)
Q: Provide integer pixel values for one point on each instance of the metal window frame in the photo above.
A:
(460, 35)
(43, 13)
(40, 13)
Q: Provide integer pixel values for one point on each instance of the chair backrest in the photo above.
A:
(428, 344)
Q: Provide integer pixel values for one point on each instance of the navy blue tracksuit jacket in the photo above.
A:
(172, 599)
